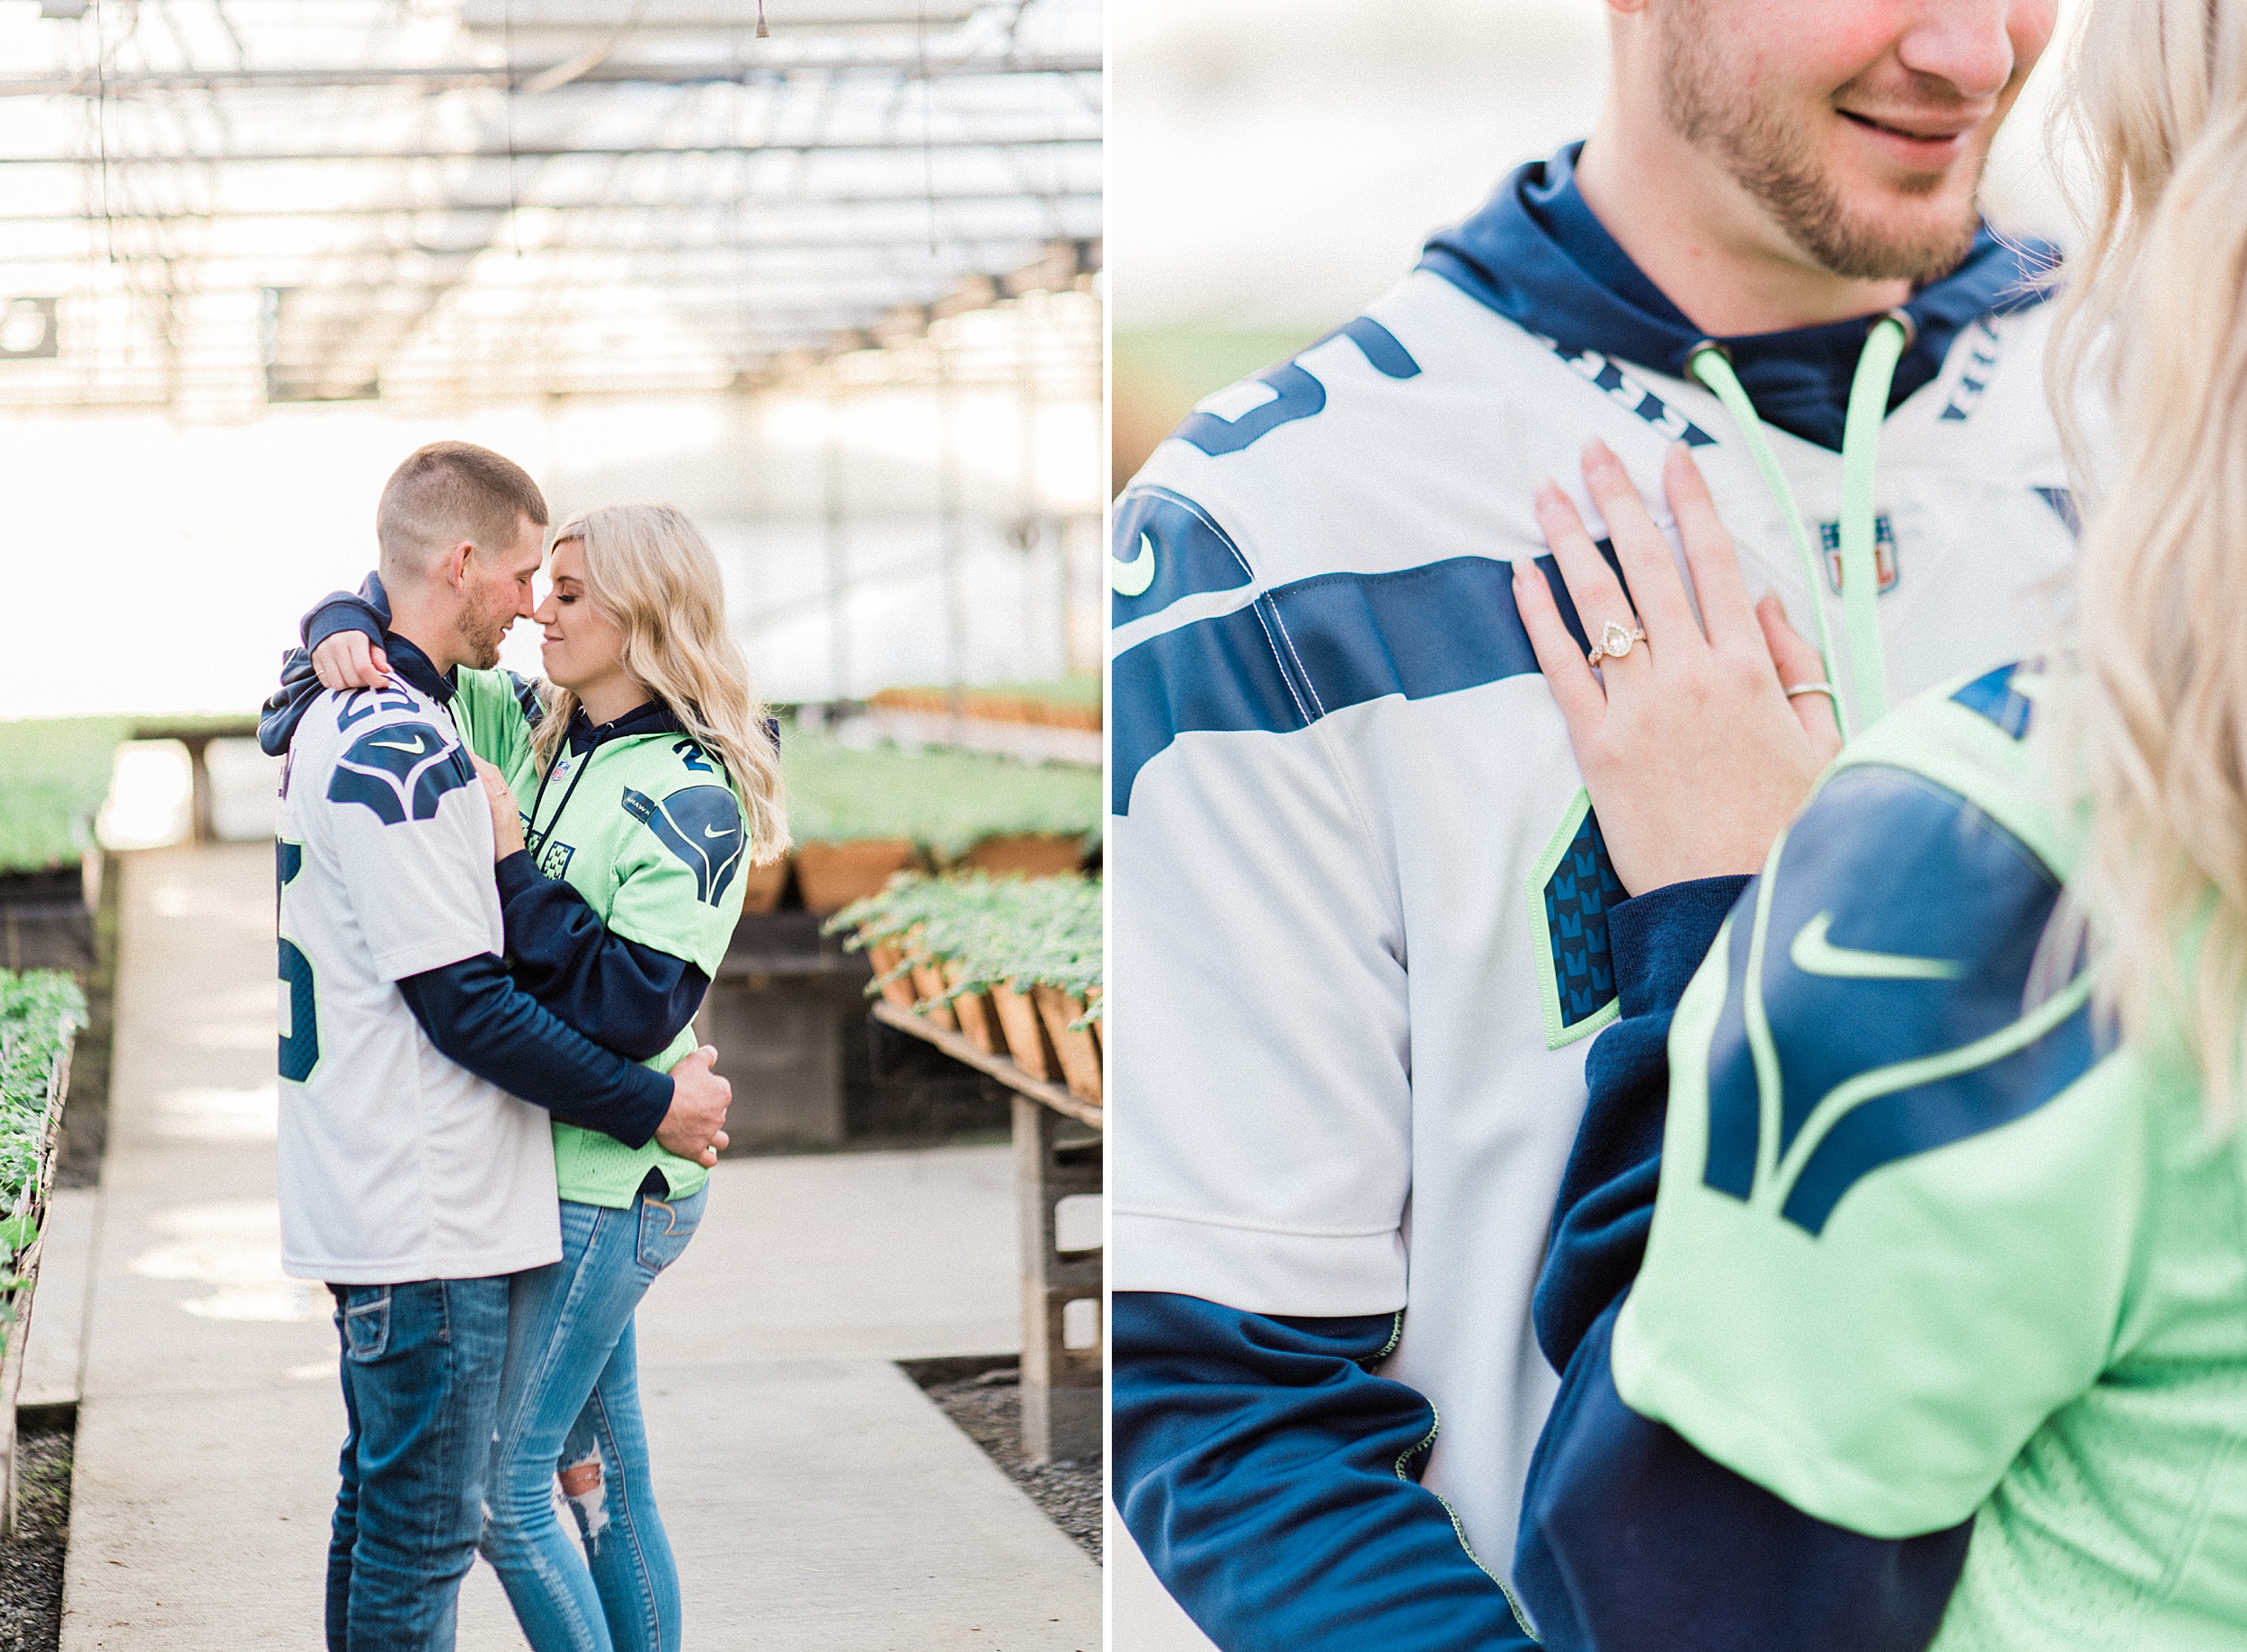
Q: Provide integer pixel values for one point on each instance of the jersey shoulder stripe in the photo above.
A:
(1302, 651)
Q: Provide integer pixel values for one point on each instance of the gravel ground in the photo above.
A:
(30, 1568)
(987, 1404)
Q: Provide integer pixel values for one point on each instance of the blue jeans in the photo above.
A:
(421, 1370)
(571, 1404)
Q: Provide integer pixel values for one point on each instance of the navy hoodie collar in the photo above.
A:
(1539, 256)
(650, 717)
(410, 663)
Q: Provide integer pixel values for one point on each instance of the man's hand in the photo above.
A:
(507, 815)
(695, 1127)
(349, 661)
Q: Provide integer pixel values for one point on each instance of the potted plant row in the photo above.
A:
(1069, 702)
(1014, 964)
(861, 815)
(54, 775)
(40, 1011)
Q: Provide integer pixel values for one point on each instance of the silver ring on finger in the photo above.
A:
(1615, 643)
(1826, 688)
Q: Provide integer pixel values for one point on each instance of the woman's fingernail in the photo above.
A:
(1548, 495)
(1595, 451)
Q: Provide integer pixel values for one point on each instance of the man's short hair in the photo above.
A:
(447, 491)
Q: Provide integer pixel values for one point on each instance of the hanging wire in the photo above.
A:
(763, 33)
(514, 215)
(102, 127)
(928, 130)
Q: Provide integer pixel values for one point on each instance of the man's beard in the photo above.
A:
(481, 632)
(1776, 162)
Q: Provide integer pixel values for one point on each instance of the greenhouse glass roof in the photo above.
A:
(215, 205)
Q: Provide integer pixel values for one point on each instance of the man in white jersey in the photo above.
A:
(1360, 907)
(416, 1177)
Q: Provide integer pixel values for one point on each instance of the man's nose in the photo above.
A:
(1968, 43)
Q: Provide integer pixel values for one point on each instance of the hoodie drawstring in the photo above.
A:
(1885, 346)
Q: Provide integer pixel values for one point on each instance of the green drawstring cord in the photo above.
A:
(1861, 437)
(1860, 572)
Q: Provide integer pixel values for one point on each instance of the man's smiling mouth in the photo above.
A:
(1939, 136)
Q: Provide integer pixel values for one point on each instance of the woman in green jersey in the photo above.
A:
(628, 791)
(1935, 1332)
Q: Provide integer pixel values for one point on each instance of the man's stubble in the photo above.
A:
(1776, 162)
(482, 630)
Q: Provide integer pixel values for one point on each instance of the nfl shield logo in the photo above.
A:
(1883, 552)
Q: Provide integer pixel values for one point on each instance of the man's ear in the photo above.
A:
(457, 564)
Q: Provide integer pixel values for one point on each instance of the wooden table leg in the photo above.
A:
(1062, 1389)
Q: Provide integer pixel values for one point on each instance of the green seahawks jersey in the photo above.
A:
(1928, 1246)
(648, 829)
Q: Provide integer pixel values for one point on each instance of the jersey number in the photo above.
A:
(301, 1044)
(693, 759)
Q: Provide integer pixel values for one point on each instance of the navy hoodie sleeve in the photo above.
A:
(367, 611)
(1631, 1541)
(618, 993)
(1269, 1477)
(475, 1014)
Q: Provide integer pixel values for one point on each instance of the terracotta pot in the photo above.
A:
(1098, 1029)
(1033, 853)
(1024, 1030)
(930, 981)
(885, 958)
(1080, 1055)
(977, 1018)
(832, 875)
(762, 886)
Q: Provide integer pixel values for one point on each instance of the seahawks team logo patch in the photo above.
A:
(401, 771)
(702, 826)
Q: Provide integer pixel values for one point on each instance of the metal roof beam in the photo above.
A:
(672, 204)
(467, 77)
(880, 145)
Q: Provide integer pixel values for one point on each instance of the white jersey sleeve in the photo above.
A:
(1274, 955)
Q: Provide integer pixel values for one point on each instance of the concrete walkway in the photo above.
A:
(815, 1498)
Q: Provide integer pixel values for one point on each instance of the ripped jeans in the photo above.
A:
(570, 1404)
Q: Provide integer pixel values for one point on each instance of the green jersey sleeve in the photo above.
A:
(678, 883)
(1902, 1170)
(493, 710)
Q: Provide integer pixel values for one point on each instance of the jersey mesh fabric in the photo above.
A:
(652, 836)
(1906, 1355)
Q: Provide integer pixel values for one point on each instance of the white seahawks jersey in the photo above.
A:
(396, 1163)
(1359, 909)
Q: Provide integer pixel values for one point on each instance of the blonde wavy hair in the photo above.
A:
(2154, 323)
(650, 571)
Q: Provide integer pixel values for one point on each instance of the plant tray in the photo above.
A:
(884, 959)
(931, 983)
(1024, 1031)
(832, 875)
(1079, 1055)
(977, 1018)
(762, 886)
(1032, 854)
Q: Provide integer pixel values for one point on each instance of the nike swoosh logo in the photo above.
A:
(1131, 579)
(1813, 954)
(415, 749)
(709, 833)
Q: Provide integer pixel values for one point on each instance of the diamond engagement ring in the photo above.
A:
(1615, 643)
